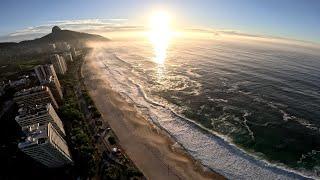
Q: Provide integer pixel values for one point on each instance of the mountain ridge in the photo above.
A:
(57, 35)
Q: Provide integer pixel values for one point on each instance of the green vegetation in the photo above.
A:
(115, 172)
(80, 141)
(111, 172)
(96, 113)
(18, 63)
(109, 169)
(87, 97)
(87, 160)
(89, 101)
(112, 140)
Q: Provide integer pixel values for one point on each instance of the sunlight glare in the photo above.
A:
(160, 35)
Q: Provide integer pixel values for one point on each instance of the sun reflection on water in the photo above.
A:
(160, 45)
(160, 36)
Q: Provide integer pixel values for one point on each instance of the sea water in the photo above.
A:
(245, 110)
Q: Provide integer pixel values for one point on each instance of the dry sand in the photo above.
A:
(147, 146)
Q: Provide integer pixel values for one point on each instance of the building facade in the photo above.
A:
(62, 46)
(68, 56)
(59, 63)
(47, 76)
(46, 145)
(52, 47)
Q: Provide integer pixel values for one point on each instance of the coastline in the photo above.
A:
(149, 147)
(207, 150)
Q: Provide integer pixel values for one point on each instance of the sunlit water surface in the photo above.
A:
(262, 97)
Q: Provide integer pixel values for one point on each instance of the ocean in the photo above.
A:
(245, 109)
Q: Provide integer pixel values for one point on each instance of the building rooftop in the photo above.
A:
(47, 80)
(36, 134)
(36, 110)
(30, 91)
(28, 129)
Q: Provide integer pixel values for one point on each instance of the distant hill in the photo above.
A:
(58, 35)
(7, 44)
(24, 55)
(74, 38)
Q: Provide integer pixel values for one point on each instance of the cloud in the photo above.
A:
(256, 37)
(83, 25)
(102, 26)
(30, 30)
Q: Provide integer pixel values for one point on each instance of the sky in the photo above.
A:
(294, 19)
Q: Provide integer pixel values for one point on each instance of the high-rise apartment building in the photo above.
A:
(38, 95)
(47, 76)
(68, 57)
(59, 63)
(39, 114)
(46, 145)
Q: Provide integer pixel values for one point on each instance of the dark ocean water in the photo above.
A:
(264, 97)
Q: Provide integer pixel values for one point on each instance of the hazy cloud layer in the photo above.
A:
(101, 26)
(84, 25)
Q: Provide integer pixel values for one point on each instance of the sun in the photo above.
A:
(160, 22)
(160, 34)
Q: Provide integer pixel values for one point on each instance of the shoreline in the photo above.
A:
(207, 150)
(147, 145)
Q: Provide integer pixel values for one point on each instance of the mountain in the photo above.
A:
(7, 44)
(59, 35)
(76, 39)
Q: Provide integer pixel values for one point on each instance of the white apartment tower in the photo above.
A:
(46, 145)
(41, 114)
(68, 57)
(47, 76)
(59, 63)
(38, 95)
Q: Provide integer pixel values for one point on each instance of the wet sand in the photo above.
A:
(147, 146)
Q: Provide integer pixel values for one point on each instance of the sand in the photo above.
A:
(146, 145)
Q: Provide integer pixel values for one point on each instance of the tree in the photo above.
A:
(112, 140)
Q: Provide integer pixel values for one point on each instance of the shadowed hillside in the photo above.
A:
(58, 35)
(76, 39)
(26, 54)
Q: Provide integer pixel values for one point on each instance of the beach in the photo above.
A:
(146, 145)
